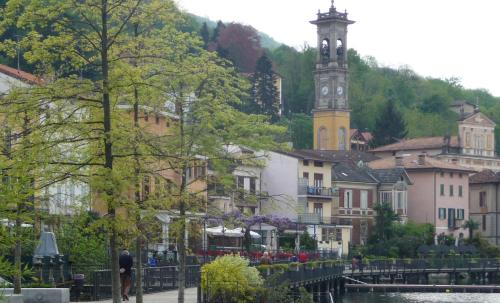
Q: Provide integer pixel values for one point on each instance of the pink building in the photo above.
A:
(439, 194)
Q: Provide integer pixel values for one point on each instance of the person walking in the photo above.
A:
(126, 261)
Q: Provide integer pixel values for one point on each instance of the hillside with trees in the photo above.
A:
(422, 101)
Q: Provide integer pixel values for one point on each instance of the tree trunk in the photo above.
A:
(138, 243)
(108, 154)
(17, 254)
(182, 212)
(182, 256)
(138, 270)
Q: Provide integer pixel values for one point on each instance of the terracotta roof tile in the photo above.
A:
(418, 143)
(19, 74)
(485, 176)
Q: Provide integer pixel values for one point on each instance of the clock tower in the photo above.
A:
(331, 112)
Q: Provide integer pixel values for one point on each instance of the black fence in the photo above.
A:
(97, 285)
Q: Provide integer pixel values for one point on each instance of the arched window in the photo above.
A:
(340, 48)
(322, 138)
(325, 49)
(342, 138)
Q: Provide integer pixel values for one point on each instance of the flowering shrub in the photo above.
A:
(230, 279)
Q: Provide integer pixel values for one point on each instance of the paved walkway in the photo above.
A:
(163, 297)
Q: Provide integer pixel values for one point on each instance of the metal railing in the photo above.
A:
(155, 279)
(317, 191)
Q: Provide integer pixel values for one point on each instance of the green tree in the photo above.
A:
(385, 219)
(264, 91)
(471, 225)
(205, 35)
(390, 125)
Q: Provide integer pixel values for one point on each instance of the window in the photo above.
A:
(318, 180)
(484, 222)
(342, 138)
(318, 163)
(441, 190)
(318, 209)
(305, 175)
(252, 185)
(460, 175)
(400, 201)
(451, 190)
(385, 197)
(146, 116)
(482, 199)
(441, 174)
(442, 213)
(451, 218)
(364, 199)
(451, 175)
(322, 138)
(460, 191)
(157, 119)
(460, 214)
(348, 199)
(305, 162)
(167, 124)
(338, 234)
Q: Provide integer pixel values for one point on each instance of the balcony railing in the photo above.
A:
(312, 218)
(317, 191)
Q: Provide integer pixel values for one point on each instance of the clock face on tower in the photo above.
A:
(324, 90)
(340, 90)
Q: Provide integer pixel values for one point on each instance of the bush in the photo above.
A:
(231, 279)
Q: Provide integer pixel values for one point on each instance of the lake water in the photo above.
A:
(419, 298)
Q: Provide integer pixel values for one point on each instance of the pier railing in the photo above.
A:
(156, 279)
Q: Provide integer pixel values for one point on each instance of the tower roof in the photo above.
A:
(332, 14)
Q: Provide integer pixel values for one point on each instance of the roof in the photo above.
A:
(411, 163)
(20, 75)
(366, 135)
(485, 176)
(389, 175)
(332, 155)
(418, 143)
(349, 172)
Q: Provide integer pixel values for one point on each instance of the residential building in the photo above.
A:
(360, 140)
(299, 186)
(484, 205)
(360, 188)
(439, 193)
(244, 194)
(474, 147)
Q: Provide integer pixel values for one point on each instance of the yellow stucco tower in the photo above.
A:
(331, 112)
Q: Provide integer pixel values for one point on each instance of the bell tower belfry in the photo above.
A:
(331, 114)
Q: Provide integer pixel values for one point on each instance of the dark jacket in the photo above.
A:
(126, 261)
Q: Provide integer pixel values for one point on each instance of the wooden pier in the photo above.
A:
(421, 288)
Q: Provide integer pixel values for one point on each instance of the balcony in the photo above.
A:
(312, 218)
(314, 191)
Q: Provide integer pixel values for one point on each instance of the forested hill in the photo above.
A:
(424, 102)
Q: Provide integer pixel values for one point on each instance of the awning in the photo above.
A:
(225, 232)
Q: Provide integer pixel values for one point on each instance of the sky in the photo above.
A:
(435, 38)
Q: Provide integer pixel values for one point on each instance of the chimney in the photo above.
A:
(399, 160)
(421, 159)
